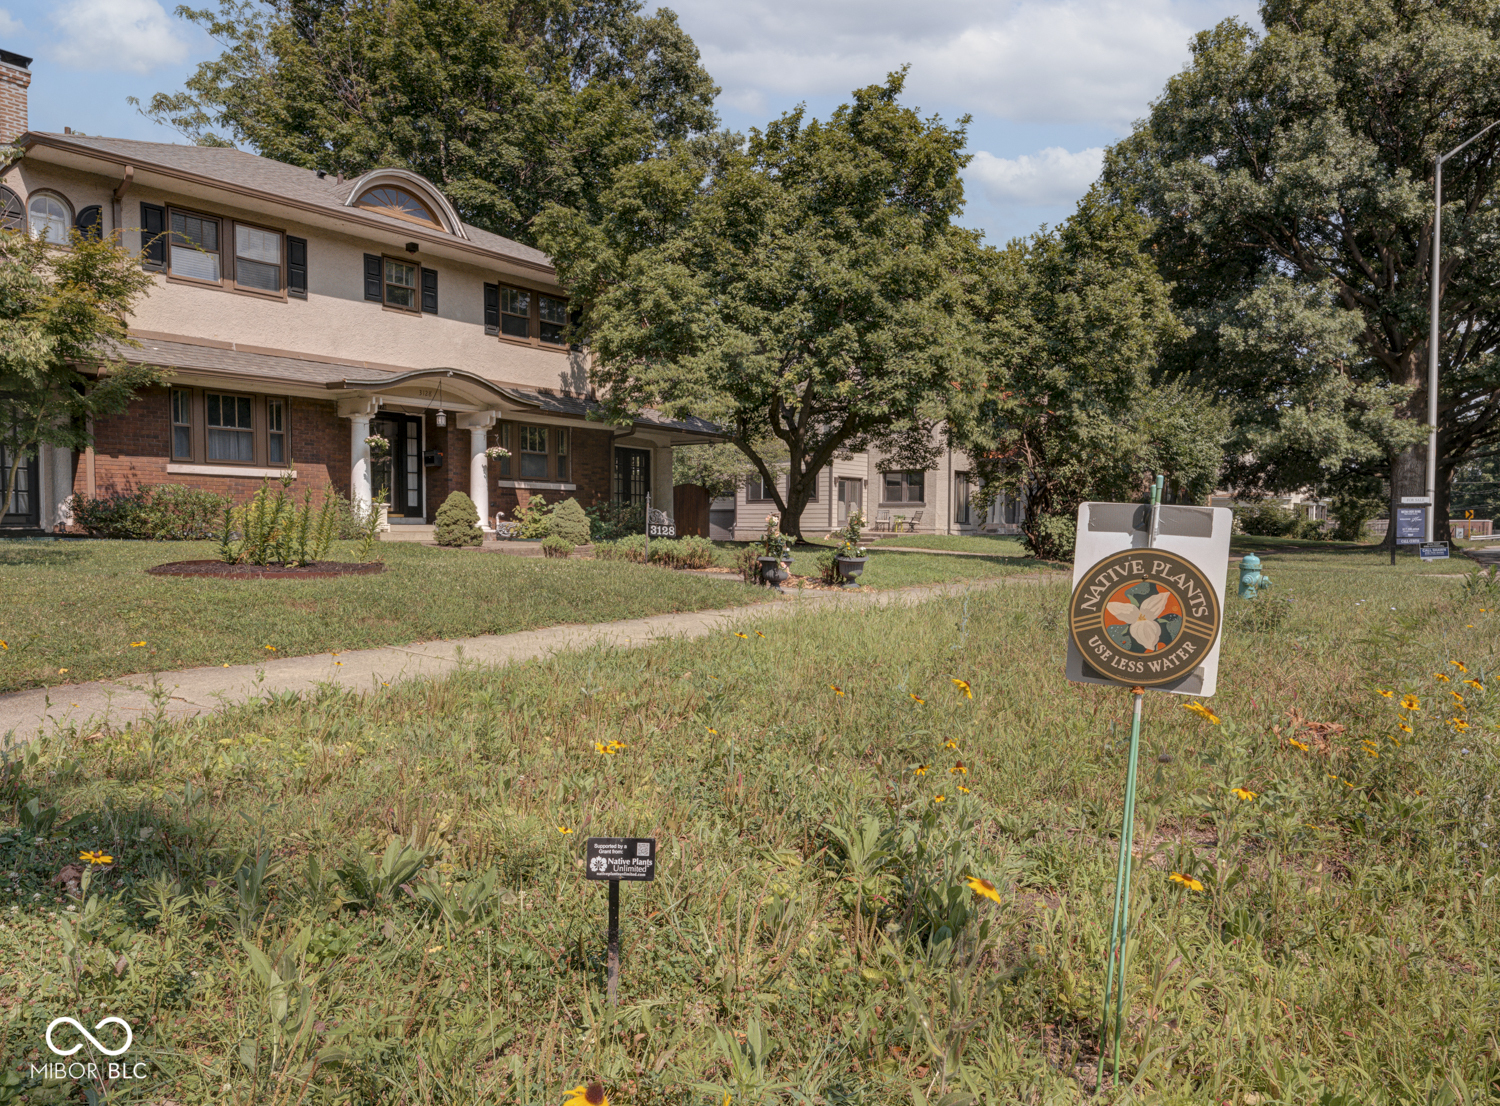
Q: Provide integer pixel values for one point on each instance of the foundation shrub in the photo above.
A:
(554, 546)
(613, 521)
(458, 522)
(570, 523)
(533, 518)
(690, 552)
(168, 512)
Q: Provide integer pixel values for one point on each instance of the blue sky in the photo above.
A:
(1049, 83)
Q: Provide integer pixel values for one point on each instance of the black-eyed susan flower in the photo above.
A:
(962, 790)
(837, 691)
(1242, 794)
(1457, 698)
(950, 744)
(1187, 881)
(963, 685)
(137, 644)
(5, 645)
(62, 671)
(1475, 684)
(1443, 676)
(564, 830)
(711, 730)
(983, 888)
(920, 770)
(600, 747)
(940, 798)
(1385, 692)
(1201, 711)
(1410, 702)
(1405, 727)
(270, 648)
(1461, 666)
(1295, 744)
(92, 857)
(915, 698)
(1458, 724)
(742, 637)
(958, 770)
(591, 1094)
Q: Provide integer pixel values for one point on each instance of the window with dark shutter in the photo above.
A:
(90, 222)
(429, 291)
(296, 267)
(492, 309)
(12, 211)
(372, 278)
(154, 236)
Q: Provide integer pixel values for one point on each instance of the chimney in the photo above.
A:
(15, 77)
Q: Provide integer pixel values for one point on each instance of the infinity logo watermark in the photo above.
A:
(121, 1022)
(79, 1069)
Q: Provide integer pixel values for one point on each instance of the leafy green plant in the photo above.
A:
(570, 523)
(164, 512)
(533, 518)
(371, 881)
(458, 522)
(274, 529)
(610, 521)
(554, 546)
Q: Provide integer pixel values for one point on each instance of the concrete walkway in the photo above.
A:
(118, 702)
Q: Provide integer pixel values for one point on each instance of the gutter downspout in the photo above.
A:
(118, 211)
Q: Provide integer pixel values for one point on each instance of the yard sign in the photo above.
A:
(1147, 605)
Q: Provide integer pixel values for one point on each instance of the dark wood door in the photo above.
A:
(397, 477)
(25, 506)
(690, 509)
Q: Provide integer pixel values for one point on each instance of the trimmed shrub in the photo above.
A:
(458, 521)
(1266, 520)
(168, 512)
(554, 546)
(613, 521)
(570, 523)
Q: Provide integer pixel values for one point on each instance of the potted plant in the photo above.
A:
(497, 453)
(850, 555)
(379, 445)
(776, 554)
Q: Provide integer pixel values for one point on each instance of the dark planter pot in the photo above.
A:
(850, 569)
(772, 575)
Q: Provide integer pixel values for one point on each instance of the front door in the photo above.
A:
(397, 477)
(851, 495)
(25, 506)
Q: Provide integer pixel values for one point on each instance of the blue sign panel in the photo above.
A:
(1411, 525)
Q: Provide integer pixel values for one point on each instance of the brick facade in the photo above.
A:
(592, 468)
(15, 78)
(133, 450)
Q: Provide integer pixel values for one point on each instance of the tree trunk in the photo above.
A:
(1408, 477)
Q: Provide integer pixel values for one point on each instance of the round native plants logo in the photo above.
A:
(1144, 617)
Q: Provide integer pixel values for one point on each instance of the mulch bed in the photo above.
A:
(314, 571)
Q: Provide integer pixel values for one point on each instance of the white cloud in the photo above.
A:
(1048, 178)
(1041, 61)
(8, 24)
(136, 36)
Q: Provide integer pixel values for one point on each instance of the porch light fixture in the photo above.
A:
(441, 418)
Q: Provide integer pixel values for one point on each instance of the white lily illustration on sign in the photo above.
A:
(1141, 621)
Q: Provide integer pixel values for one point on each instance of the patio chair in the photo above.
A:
(913, 522)
(882, 521)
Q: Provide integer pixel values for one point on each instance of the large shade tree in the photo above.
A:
(1072, 323)
(803, 288)
(1290, 177)
(509, 105)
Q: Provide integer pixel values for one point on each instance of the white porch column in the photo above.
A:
(359, 411)
(479, 475)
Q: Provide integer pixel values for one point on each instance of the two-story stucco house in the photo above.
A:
(300, 313)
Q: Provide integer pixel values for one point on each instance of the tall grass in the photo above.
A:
(372, 898)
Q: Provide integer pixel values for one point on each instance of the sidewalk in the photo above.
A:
(182, 694)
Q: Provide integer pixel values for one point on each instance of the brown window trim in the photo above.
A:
(559, 466)
(903, 502)
(535, 317)
(259, 425)
(227, 281)
(416, 291)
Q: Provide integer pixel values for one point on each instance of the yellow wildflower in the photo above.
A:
(1292, 741)
(1404, 727)
(1410, 702)
(962, 789)
(1242, 794)
(958, 770)
(137, 644)
(940, 798)
(916, 699)
(1460, 666)
(1475, 684)
(983, 888)
(742, 637)
(950, 744)
(1201, 711)
(1440, 676)
(920, 770)
(563, 830)
(711, 730)
(92, 857)
(1187, 881)
(963, 685)
(836, 690)
(271, 648)
(1458, 724)
(1389, 694)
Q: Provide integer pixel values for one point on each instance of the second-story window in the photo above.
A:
(257, 258)
(231, 436)
(400, 285)
(515, 313)
(554, 319)
(195, 247)
(49, 217)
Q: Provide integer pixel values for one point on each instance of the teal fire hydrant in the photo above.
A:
(1251, 577)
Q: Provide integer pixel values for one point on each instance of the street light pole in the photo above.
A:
(1432, 334)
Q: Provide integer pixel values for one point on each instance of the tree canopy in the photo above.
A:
(509, 105)
(1289, 176)
(1071, 324)
(804, 287)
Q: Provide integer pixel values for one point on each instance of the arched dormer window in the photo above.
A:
(398, 203)
(12, 214)
(50, 217)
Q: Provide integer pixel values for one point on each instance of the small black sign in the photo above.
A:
(616, 858)
(1433, 551)
(1411, 525)
(662, 529)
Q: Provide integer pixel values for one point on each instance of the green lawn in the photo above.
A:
(992, 544)
(78, 605)
(892, 569)
(810, 937)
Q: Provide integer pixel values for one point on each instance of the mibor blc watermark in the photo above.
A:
(81, 1069)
